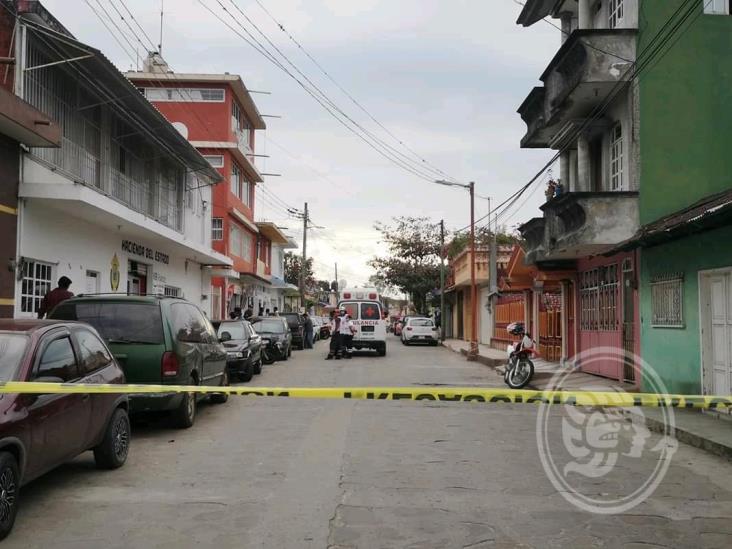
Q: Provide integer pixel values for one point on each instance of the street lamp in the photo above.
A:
(473, 351)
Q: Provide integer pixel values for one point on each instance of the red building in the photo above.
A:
(217, 115)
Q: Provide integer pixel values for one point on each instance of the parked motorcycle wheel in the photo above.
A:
(520, 376)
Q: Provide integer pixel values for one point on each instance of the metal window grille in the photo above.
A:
(615, 13)
(172, 291)
(616, 158)
(667, 301)
(216, 160)
(185, 95)
(217, 228)
(36, 283)
(236, 180)
(599, 289)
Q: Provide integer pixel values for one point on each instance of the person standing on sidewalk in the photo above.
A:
(308, 325)
(347, 328)
(55, 296)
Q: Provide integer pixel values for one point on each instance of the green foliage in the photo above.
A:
(293, 264)
(461, 241)
(412, 265)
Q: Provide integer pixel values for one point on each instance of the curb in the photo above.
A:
(721, 448)
(490, 362)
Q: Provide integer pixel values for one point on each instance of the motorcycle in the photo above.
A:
(520, 369)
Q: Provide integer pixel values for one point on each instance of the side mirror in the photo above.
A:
(225, 336)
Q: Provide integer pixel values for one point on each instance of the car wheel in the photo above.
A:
(289, 351)
(185, 415)
(381, 351)
(9, 492)
(113, 450)
(220, 398)
(258, 366)
(247, 374)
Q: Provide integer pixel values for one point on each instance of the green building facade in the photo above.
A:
(685, 203)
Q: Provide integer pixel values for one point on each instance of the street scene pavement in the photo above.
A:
(278, 472)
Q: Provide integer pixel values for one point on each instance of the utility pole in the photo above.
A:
(337, 288)
(304, 255)
(473, 351)
(442, 280)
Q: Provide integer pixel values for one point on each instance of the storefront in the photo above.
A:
(100, 258)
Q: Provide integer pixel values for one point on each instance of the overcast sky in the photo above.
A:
(444, 76)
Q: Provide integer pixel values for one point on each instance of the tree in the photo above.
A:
(292, 270)
(413, 261)
(461, 240)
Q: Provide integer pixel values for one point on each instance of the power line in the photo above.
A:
(380, 148)
(353, 99)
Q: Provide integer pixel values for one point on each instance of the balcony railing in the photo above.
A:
(80, 165)
(581, 224)
(580, 76)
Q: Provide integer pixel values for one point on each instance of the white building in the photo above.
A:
(124, 205)
(274, 295)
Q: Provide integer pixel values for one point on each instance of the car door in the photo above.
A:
(255, 342)
(96, 365)
(214, 353)
(59, 422)
(188, 334)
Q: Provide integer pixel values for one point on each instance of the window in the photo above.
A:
(117, 322)
(236, 180)
(12, 351)
(246, 190)
(58, 361)
(351, 310)
(196, 95)
(216, 160)
(240, 243)
(370, 311)
(188, 324)
(93, 355)
(615, 13)
(172, 291)
(599, 289)
(36, 283)
(616, 158)
(667, 301)
(716, 7)
(217, 228)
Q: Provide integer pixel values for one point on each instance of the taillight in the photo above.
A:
(170, 365)
(372, 296)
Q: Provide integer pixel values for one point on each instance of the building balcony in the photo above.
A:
(578, 79)
(580, 224)
(460, 268)
(262, 270)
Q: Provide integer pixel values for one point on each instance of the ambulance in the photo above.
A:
(364, 307)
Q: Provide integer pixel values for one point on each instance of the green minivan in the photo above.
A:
(156, 340)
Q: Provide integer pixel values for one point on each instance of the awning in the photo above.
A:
(272, 232)
(116, 89)
(708, 213)
(536, 10)
(26, 124)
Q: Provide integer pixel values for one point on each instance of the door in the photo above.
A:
(720, 313)
(629, 293)
(59, 423)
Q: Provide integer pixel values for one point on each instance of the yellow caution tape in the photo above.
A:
(444, 394)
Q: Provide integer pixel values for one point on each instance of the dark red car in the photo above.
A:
(40, 432)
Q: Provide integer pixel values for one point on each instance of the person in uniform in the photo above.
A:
(334, 350)
(346, 330)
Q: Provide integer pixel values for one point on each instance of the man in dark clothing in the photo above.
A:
(56, 296)
(248, 313)
(308, 326)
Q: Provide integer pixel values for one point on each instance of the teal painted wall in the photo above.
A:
(685, 112)
(675, 352)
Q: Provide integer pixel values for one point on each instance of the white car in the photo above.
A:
(420, 330)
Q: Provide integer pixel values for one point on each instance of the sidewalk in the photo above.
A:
(709, 431)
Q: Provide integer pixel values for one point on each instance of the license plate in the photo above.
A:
(367, 328)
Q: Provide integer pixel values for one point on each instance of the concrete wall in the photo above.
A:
(675, 353)
(687, 120)
(74, 246)
(485, 321)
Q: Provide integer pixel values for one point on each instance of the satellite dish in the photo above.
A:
(342, 284)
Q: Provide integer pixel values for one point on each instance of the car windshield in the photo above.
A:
(269, 326)
(117, 322)
(12, 350)
(237, 330)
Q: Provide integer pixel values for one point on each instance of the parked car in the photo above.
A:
(276, 338)
(243, 348)
(316, 328)
(40, 432)
(419, 329)
(159, 340)
(296, 322)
